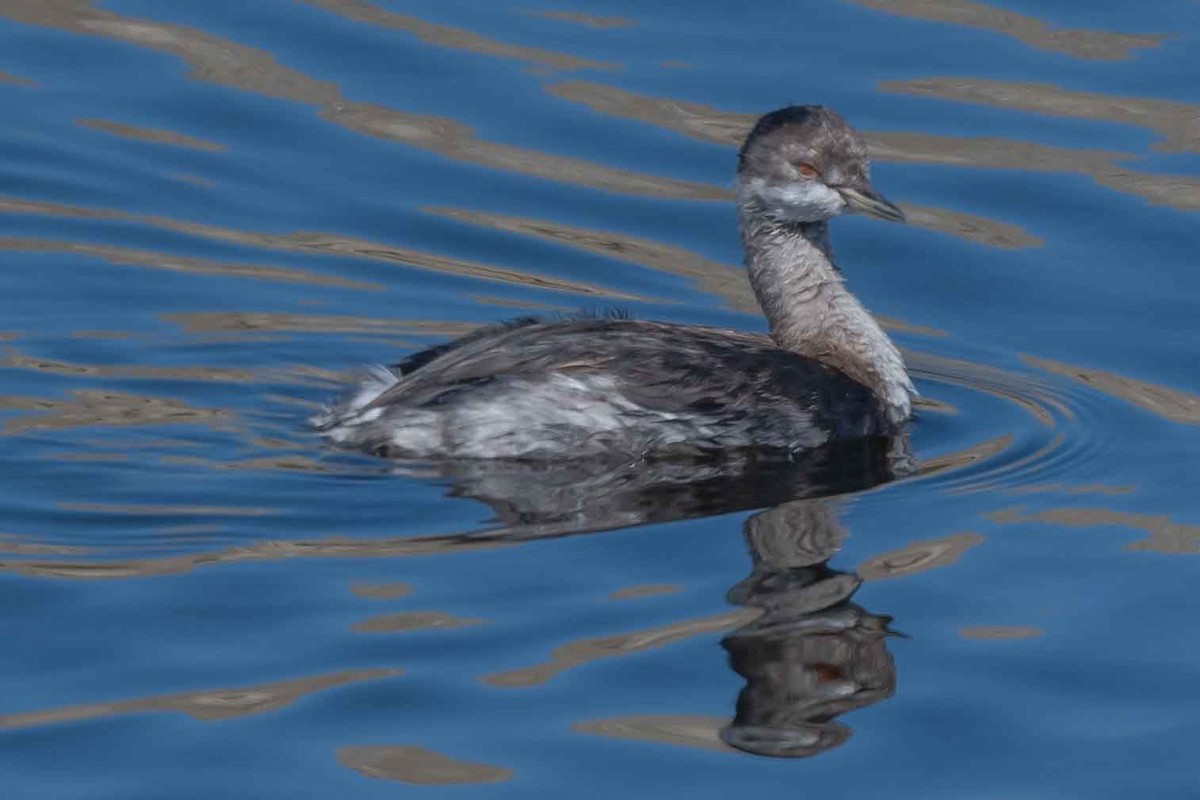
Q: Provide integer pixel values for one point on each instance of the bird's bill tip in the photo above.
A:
(871, 203)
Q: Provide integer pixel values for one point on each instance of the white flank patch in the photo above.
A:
(346, 412)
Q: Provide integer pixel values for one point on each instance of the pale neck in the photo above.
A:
(810, 311)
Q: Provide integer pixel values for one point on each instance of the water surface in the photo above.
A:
(211, 213)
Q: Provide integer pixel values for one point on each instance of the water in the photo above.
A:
(210, 212)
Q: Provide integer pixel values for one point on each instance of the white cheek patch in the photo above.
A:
(795, 202)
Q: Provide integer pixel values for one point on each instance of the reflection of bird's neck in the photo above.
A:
(811, 312)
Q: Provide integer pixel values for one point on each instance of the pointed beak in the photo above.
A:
(868, 202)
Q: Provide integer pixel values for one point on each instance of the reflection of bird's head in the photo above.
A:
(805, 164)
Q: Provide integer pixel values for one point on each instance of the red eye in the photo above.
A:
(807, 170)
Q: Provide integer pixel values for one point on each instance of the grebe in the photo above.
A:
(564, 389)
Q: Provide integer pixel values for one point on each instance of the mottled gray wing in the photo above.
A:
(669, 368)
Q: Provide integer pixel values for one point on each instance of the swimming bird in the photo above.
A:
(584, 387)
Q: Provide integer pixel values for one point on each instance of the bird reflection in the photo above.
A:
(533, 500)
(812, 654)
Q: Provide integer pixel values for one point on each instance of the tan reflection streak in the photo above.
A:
(1175, 191)
(89, 457)
(104, 408)
(1001, 632)
(1178, 123)
(689, 731)
(155, 135)
(974, 454)
(16, 80)
(228, 321)
(143, 444)
(302, 242)
(1166, 536)
(129, 509)
(1099, 165)
(1173, 404)
(509, 302)
(124, 256)
(1062, 488)
(1079, 43)
(919, 557)
(583, 651)
(714, 277)
(195, 180)
(985, 153)
(416, 765)
(971, 227)
(413, 621)
(588, 20)
(279, 550)
(456, 141)
(900, 326)
(226, 63)
(695, 120)
(452, 38)
(645, 590)
(104, 335)
(286, 463)
(934, 406)
(16, 360)
(188, 534)
(22, 546)
(208, 706)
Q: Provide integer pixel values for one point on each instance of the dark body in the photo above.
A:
(584, 387)
(622, 389)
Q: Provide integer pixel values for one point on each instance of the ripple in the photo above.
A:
(583, 651)
(918, 557)
(1175, 405)
(1064, 433)
(218, 704)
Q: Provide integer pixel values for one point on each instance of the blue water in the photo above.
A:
(210, 213)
